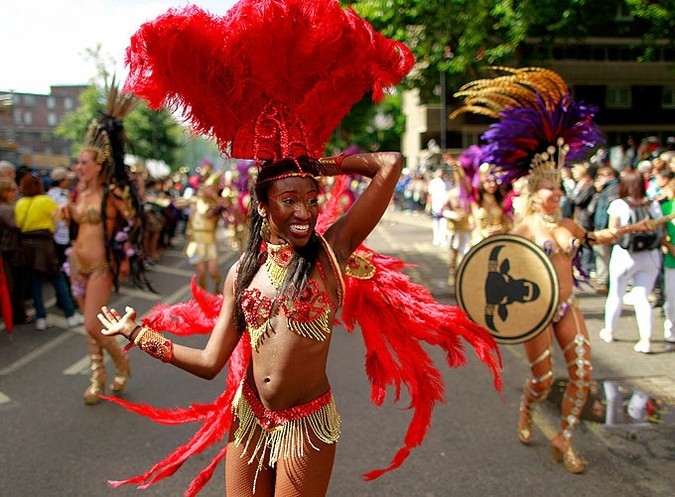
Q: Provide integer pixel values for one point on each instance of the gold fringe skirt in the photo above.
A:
(285, 433)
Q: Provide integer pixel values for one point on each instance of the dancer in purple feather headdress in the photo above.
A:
(540, 126)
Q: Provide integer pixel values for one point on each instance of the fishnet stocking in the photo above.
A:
(306, 476)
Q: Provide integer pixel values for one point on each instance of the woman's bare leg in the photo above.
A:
(215, 275)
(200, 270)
(98, 287)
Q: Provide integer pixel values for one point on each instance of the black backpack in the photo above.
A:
(645, 240)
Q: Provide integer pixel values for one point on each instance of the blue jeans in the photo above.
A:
(37, 280)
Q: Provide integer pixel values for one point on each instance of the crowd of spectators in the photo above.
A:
(166, 212)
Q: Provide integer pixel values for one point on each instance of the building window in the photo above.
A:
(29, 100)
(618, 97)
(52, 119)
(669, 97)
(17, 116)
(51, 103)
(28, 118)
(68, 103)
(622, 13)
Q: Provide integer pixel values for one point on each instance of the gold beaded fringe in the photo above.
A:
(287, 440)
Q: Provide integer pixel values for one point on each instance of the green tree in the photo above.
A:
(463, 37)
(659, 16)
(74, 124)
(153, 134)
(370, 126)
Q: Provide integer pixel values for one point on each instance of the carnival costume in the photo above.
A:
(105, 137)
(539, 126)
(202, 225)
(272, 80)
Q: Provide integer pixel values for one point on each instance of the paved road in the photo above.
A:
(54, 445)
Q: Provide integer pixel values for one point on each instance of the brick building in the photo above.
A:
(27, 124)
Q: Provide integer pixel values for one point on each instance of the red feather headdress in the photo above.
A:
(271, 79)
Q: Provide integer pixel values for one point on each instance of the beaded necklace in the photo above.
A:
(549, 221)
(307, 314)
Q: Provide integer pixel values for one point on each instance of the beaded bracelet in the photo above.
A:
(155, 344)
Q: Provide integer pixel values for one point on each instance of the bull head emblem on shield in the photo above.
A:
(502, 290)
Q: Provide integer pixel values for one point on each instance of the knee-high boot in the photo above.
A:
(573, 403)
(535, 391)
(121, 360)
(98, 375)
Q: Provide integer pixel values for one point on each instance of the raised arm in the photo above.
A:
(205, 363)
(384, 169)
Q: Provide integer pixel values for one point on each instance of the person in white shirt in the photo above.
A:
(436, 200)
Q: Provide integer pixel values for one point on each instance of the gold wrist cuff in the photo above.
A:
(330, 166)
(155, 344)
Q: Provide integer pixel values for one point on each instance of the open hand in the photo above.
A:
(114, 324)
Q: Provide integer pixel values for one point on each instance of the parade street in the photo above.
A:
(54, 445)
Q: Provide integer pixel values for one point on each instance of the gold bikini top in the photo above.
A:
(88, 214)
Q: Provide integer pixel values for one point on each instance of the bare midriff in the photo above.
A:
(287, 369)
(88, 248)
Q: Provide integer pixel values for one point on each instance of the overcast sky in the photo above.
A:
(43, 42)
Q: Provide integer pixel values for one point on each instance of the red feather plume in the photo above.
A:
(270, 78)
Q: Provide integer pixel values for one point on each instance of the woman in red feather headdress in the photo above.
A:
(270, 81)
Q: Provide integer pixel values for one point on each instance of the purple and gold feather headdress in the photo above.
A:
(539, 122)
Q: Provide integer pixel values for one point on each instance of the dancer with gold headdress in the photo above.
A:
(539, 126)
(489, 214)
(280, 96)
(104, 208)
(204, 213)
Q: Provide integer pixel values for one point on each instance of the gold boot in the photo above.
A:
(98, 376)
(563, 450)
(525, 420)
(122, 367)
(535, 390)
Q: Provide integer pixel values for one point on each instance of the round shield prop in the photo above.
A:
(508, 285)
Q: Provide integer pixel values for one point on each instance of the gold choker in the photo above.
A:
(276, 264)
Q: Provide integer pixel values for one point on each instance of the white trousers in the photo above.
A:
(669, 306)
(640, 268)
(439, 230)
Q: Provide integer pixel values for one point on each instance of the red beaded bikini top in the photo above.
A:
(307, 314)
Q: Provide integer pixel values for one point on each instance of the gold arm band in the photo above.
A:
(330, 166)
(155, 344)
